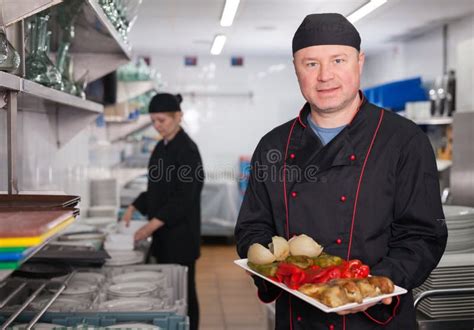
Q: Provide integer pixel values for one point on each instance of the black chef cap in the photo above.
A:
(165, 102)
(325, 29)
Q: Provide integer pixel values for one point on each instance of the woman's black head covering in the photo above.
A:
(164, 102)
(325, 29)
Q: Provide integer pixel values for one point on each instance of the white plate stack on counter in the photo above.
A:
(453, 271)
(456, 268)
(460, 223)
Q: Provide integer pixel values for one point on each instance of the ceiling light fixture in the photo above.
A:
(365, 10)
(218, 44)
(228, 14)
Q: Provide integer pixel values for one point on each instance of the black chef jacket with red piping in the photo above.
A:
(175, 180)
(398, 228)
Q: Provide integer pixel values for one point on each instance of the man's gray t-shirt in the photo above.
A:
(324, 134)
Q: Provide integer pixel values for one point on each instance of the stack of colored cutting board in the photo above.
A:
(24, 231)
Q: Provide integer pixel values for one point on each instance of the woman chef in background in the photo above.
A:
(172, 199)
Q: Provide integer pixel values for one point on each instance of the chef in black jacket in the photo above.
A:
(360, 180)
(173, 196)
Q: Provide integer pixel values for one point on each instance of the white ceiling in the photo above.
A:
(266, 27)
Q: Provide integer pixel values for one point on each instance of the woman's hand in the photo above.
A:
(127, 216)
(147, 230)
(386, 301)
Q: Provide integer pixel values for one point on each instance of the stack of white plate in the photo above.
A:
(131, 290)
(453, 271)
(460, 222)
(61, 304)
(99, 222)
(137, 304)
(144, 276)
(79, 289)
(124, 258)
(103, 211)
(133, 326)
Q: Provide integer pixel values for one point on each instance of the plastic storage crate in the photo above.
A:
(163, 320)
(171, 316)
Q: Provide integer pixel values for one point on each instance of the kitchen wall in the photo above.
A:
(423, 56)
(228, 109)
(42, 166)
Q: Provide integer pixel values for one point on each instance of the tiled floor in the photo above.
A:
(227, 296)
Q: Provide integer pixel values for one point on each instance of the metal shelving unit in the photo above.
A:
(105, 49)
(15, 10)
(118, 130)
(127, 90)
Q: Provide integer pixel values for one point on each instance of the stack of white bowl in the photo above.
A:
(460, 222)
(456, 268)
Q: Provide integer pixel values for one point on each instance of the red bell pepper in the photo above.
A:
(291, 275)
(361, 272)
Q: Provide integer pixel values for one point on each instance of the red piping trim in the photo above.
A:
(387, 320)
(354, 212)
(284, 181)
(300, 120)
(344, 322)
(286, 204)
(362, 98)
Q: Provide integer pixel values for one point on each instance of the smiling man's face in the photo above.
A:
(329, 76)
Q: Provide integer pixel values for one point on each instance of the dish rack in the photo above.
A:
(21, 295)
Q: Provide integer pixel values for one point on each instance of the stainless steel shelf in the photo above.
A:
(70, 112)
(98, 48)
(93, 7)
(32, 89)
(29, 89)
(14, 10)
(117, 131)
(127, 90)
(10, 81)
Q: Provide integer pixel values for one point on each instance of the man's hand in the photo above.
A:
(127, 216)
(148, 229)
(386, 301)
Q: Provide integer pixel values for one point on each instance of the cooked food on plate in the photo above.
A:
(339, 292)
(301, 264)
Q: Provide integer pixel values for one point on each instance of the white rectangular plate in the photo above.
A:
(398, 291)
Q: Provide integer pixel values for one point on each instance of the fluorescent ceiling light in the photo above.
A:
(228, 14)
(218, 44)
(365, 10)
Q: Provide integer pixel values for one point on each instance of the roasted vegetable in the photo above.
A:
(268, 270)
(300, 261)
(327, 260)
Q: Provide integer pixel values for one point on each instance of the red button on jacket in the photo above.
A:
(343, 198)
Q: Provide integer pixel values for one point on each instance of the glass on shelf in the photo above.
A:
(67, 14)
(122, 14)
(9, 57)
(39, 67)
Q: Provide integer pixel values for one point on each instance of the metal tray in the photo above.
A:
(48, 201)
